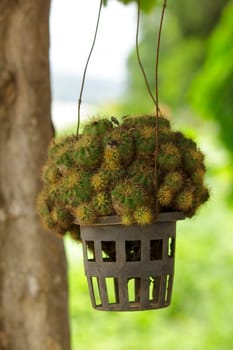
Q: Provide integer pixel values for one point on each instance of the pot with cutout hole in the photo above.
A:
(130, 268)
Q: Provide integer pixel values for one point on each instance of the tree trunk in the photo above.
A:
(33, 271)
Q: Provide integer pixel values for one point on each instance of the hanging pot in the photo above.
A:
(130, 268)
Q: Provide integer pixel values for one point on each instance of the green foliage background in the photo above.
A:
(184, 46)
(212, 90)
(146, 5)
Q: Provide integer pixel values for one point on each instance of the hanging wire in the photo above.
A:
(85, 70)
(157, 57)
(156, 98)
(157, 101)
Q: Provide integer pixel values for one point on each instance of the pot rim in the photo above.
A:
(116, 220)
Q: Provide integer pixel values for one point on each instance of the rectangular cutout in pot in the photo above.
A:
(171, 247)
(112, 290)
(154, 289)
(108, 251)
(156, 249)
(96, 291)
(134, 289)
(133, 250)
(167, 288)
(90, 249)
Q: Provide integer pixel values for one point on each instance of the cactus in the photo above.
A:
(61, 217)
(165, 196)
(87, 152)
(85, 214)
(110, 169)
(43, 209)
(143, 215)
(102, 204)
(143, 173)
(105, 178)
(145, 120)
(184, 200)
(76, 188)
(58, 144)
(174, 180)
(100, 181)
(122, 140)
(169, 157)
(127, 196)
(201, 195)
(54, 192)
(50, 173)
(60, 151)
(98, 128)
(127, 219)
(166, 136)
(145, 141)
(112, 158)
(197, 175)
(183, 142)
(192, 159)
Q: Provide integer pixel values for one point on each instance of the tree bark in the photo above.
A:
(33, 271)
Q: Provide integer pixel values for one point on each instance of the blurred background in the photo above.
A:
(196, 89)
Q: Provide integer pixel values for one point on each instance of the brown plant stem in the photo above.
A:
(86, 66)
(157, 101)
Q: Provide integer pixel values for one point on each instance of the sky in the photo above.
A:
(72, 26)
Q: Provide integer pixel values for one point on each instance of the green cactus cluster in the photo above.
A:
(110, 170)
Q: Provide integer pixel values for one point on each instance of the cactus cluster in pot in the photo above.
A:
(110, 170)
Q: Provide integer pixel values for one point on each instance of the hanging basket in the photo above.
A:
(130, 268)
